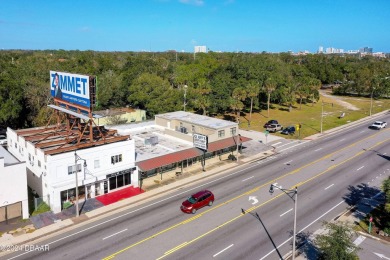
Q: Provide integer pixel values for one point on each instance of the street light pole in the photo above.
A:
(185, 95)
(293, 194)
(77, 184)
(372, 94)
(77, 158)
(322, 114)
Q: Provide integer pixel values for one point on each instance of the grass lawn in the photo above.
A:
(309, 115)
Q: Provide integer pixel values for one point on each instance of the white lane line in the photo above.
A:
(342, 139)
(242, 180)
(291, 147)
(359, 133)
(317, 150)
(360, 168)
(272, 145)
(286, 212)
(115, 234)
(288, 162)
(329, 186)
(223, 250)
(273, 250)
(141, 208)
(288, 143)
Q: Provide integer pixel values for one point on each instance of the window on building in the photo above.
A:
(16, 145)
(116, 158)
(221, 133)
(71, 169)
(39, 163)
(193, 129)
(233, 131)
(97, 164)
(29, 156)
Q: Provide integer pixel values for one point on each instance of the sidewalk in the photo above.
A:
(351, 218)
(153, 186)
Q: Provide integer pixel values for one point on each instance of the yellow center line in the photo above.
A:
(244, 194)
(266, 202)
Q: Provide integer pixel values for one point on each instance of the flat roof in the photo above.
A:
(8, 157)
(205, 121)
(146, 130)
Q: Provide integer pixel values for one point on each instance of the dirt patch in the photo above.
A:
(339, 100)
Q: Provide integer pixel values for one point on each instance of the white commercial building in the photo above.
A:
(13, 187)
(200, 49)
(109, 166)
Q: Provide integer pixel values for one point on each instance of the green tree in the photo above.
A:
(337, 243)
(239, 94)
(269, 87)
(253, 90)
(386, 191)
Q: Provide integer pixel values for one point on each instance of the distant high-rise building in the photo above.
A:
(200, 49)
(365, 50)
(321, 49)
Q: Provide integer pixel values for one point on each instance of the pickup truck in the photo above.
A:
(378, 125)
(274, 128)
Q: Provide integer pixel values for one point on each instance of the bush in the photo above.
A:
(42, 207)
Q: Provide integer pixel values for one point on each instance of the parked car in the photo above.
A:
(3, 140)
(271, 122)
(378, 125)
(274, 128)
(290, 130)
(197, 201)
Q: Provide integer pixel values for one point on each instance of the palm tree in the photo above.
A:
(239, 94)
(253, 90)
(269, 86)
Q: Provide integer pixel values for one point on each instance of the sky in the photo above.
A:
(220, 25)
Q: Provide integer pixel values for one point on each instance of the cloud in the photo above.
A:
(192, 2)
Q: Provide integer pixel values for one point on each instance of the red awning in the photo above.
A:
(167, 159)
(225, 143)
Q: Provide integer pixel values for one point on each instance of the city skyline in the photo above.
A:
(180, 25)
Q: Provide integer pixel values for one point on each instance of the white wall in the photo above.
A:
(48, 174)
(13, 185)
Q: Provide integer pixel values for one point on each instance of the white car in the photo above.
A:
(378, 125)
(3, 140)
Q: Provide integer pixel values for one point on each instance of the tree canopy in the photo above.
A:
(214, 82)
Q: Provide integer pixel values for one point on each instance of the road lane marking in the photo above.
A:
(248, 178)
(223, 250)
(115, 234)
(342, 140)
(250, 192)
(276, 143)
(274, 198)
(288, 162)
(286, 212)
(329, 186)
(273, 250)
(317, 149)
(360, 168)
(290, 147)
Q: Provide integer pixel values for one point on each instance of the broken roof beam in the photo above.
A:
(86, 145)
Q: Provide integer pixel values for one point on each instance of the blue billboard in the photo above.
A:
(72, 88)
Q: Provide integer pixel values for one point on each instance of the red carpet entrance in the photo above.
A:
(115, 196)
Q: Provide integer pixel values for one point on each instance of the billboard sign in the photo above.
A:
(72, 88)
(200, 141)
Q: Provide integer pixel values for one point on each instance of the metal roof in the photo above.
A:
(179, 156)
(205, 121)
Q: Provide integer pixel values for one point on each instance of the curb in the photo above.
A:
(91, 216)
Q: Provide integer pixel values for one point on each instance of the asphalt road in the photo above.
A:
(331, 174)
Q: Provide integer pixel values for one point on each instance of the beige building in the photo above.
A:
(117, 116)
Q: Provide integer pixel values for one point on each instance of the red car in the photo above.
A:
(197, 201)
